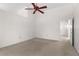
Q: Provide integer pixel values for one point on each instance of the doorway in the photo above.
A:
(67, 30)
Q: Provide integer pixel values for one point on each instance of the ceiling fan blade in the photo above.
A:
(43, 7)
(41, 11)
(34, 5)
(28, 8)
(34, 11)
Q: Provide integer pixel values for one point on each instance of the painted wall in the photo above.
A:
(15, 28)
(76, 27)
(48, 25)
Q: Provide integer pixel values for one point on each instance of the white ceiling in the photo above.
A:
(15, 7)
(12, 6)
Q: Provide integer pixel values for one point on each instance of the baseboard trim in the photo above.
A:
(16, 42)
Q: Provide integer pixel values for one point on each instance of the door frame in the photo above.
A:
(72, 31)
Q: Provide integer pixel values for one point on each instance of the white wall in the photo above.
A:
(15, 28)
(48, 25)
(76, 27)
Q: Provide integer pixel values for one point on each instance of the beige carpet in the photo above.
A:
(39, 47)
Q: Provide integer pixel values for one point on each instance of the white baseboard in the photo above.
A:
(49, 38)
(15, 42)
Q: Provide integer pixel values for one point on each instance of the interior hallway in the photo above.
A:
(39, 47)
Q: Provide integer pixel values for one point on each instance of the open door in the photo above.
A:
(73, 32)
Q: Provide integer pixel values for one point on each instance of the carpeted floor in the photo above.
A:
(39, 47)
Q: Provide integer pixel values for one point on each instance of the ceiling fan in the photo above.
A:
(36, 8)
